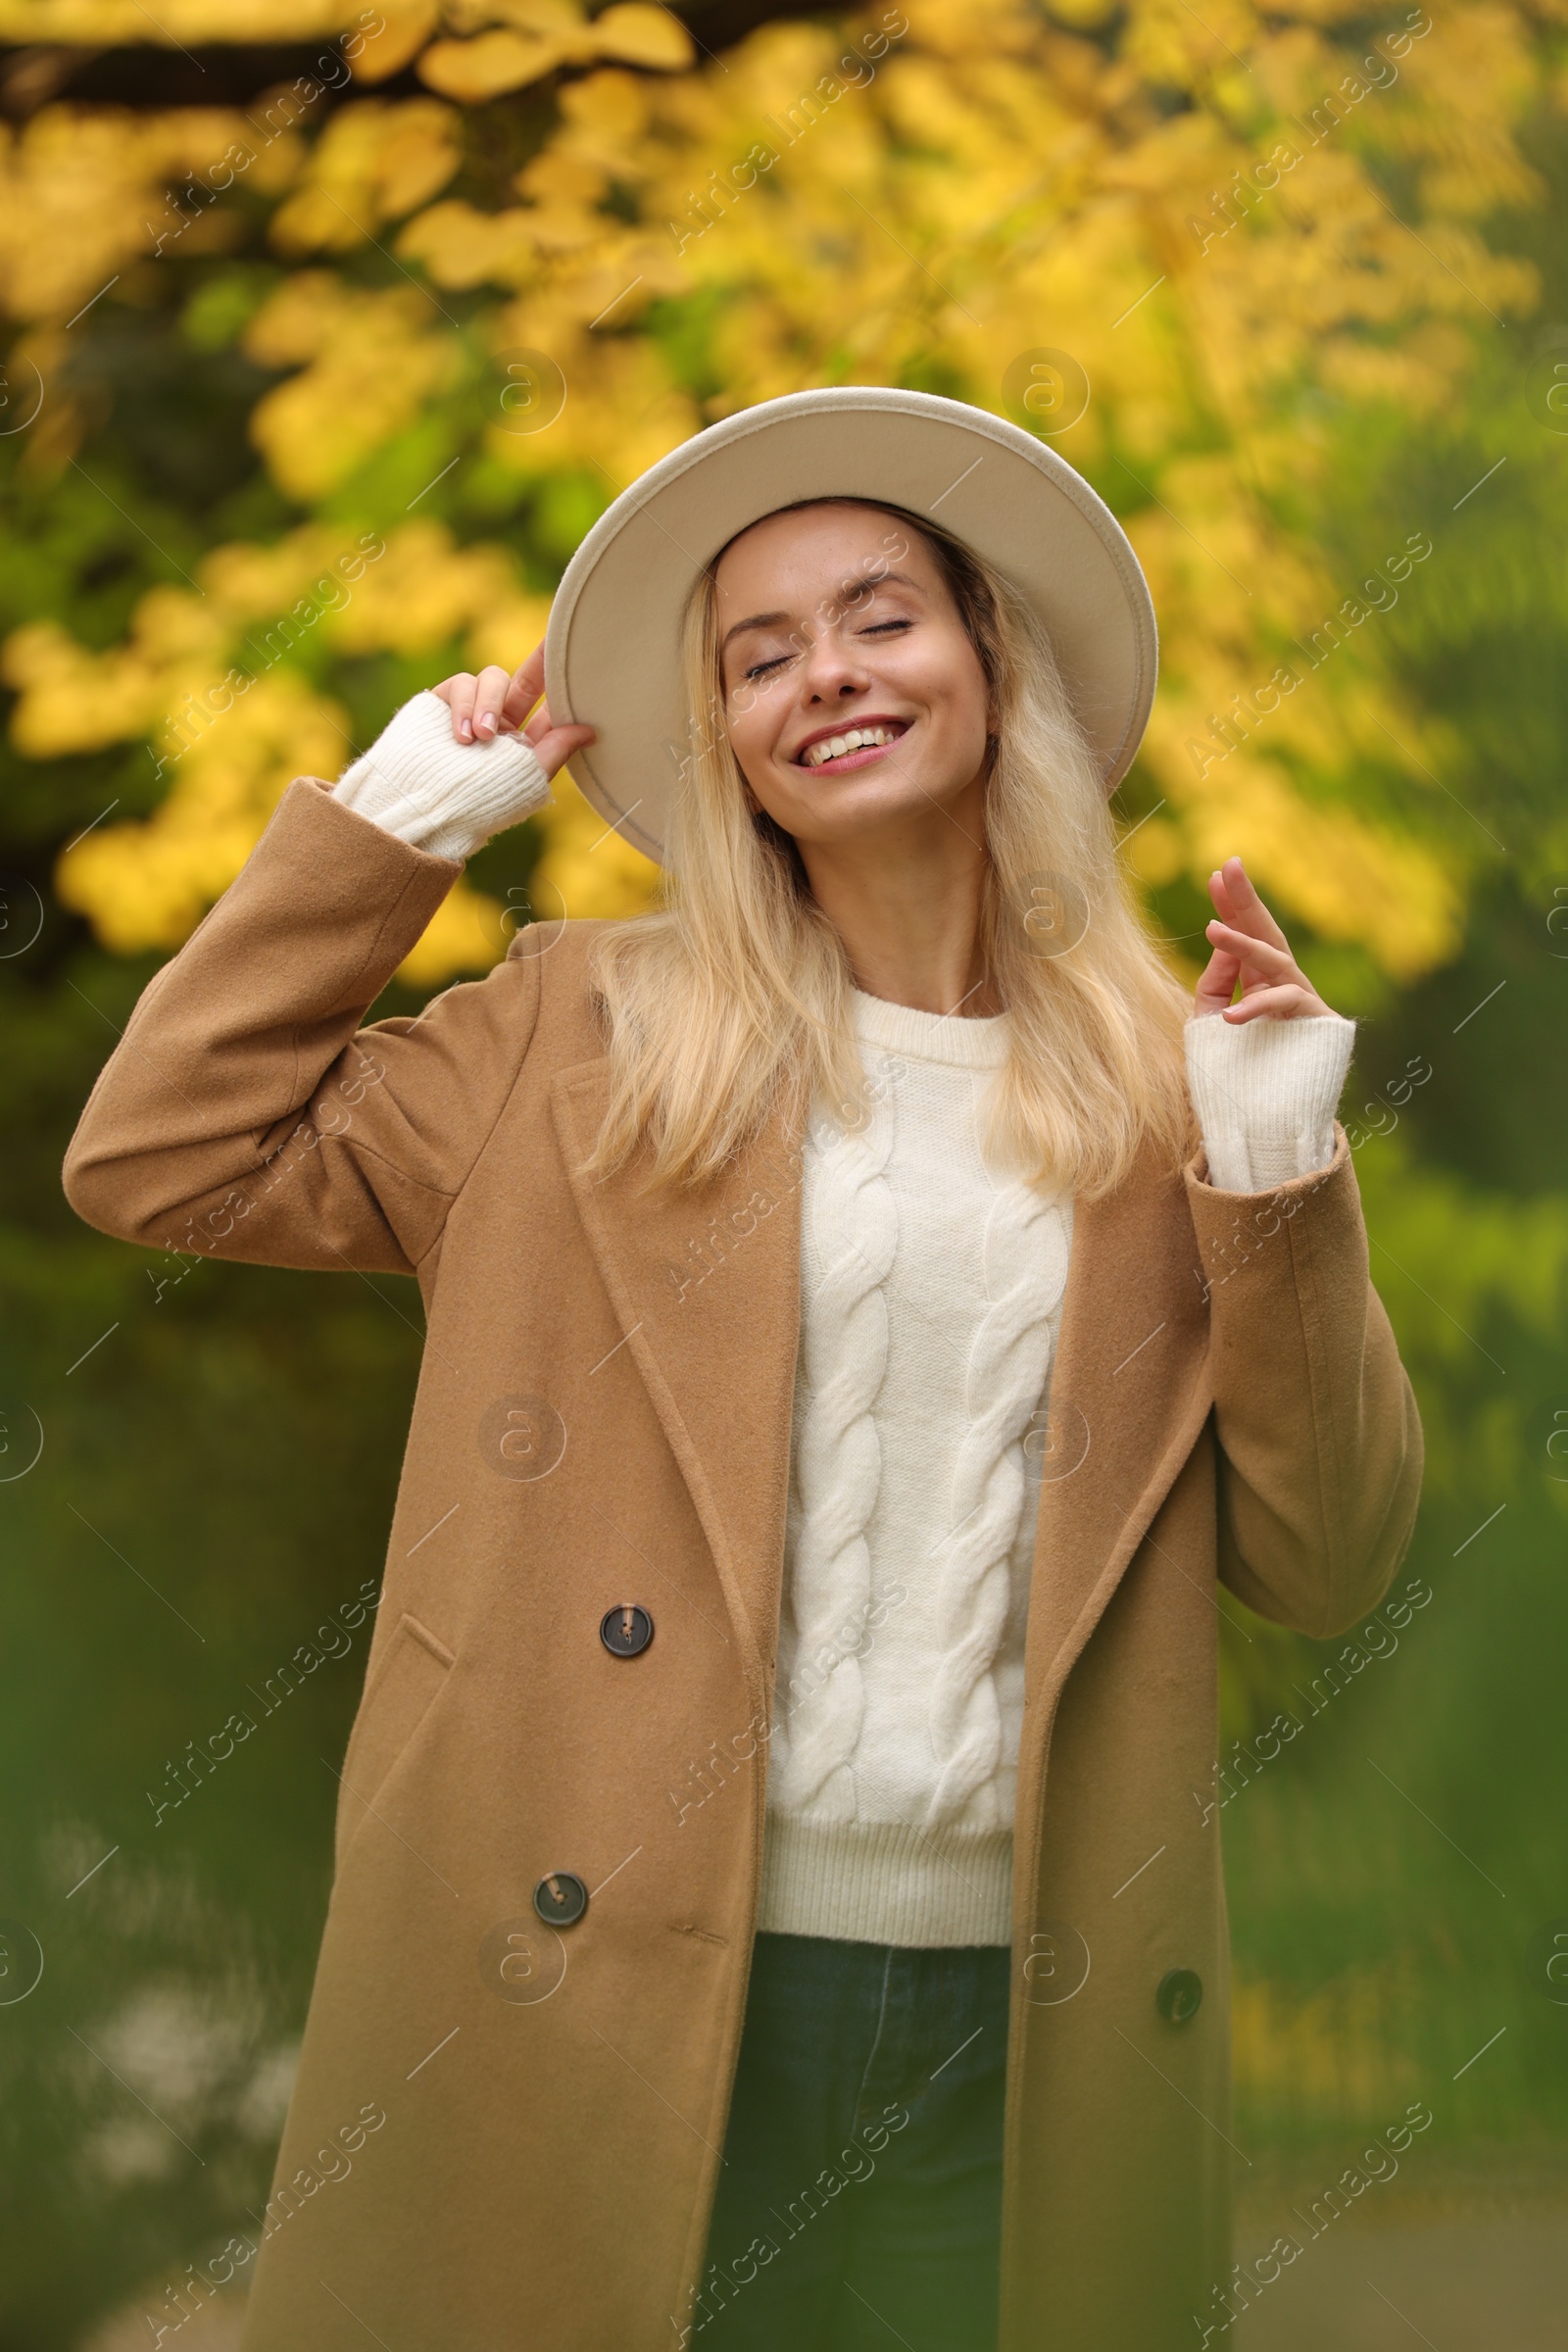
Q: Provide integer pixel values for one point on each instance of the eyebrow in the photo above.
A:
(768, 620)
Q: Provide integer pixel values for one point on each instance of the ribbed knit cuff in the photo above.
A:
(439, 794)
(886, 1882)
(1266, 1093)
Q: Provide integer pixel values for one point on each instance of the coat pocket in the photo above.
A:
(394, 1703)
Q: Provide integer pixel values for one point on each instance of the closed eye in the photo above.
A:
(876, 628)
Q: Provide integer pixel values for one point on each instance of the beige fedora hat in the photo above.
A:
(612, 656)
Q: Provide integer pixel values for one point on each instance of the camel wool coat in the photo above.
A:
(506, 2132)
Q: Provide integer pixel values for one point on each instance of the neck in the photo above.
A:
(906, 902)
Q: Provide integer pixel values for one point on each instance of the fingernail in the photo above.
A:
(464, 730)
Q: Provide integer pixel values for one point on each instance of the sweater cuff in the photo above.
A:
(438, 795)
(1266, 1093)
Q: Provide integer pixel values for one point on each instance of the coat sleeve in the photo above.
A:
(247, 1114)
(1320, 1443)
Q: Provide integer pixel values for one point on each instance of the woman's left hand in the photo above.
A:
(1249, 946)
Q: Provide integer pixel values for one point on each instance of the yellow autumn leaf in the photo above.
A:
(405, 28)
(588, 870)
(121, 24)
(422, 592)
(85, 194)
(642, 35)
(373, 358)
(148, 883)
(467, 933)
(494, 63)
(459, 246)
(507, 629)
(375, 162)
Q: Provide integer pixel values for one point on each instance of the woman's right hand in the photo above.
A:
(498, 702)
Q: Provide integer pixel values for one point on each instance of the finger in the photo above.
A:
(458, 694)
(490, 701)
(1232, 890)
(523, 692)
(542, 725)
(556, 744)
(529, 678)
(1217, 985)
(1242, 905)
(1289, 1002)
(1274, 962)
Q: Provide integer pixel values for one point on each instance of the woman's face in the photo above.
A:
(836, 623)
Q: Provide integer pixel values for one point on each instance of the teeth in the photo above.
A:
(834, 747)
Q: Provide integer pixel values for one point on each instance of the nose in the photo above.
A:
(830, 672)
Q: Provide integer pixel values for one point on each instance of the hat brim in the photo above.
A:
(612, 653)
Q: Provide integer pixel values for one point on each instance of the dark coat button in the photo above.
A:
(1180, 1994)
(627, 1630)
(561, 1897)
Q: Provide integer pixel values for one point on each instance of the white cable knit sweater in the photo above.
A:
(931, 1291)
(931, 1294)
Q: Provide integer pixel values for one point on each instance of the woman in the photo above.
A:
(778, 1895)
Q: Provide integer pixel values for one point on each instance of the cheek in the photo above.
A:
(748, 739)
(744, 723)
(947, 679)
(753, 722)
(959, 705)
(973, 690)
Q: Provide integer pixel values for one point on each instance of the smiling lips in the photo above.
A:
(832, 749)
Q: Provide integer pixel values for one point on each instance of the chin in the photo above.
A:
(845, 825)
(852, 804)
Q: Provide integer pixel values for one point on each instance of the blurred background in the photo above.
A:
(328, 334)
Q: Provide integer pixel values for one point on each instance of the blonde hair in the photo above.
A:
(733, 999)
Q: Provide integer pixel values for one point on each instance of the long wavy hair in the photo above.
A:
(731, 1001)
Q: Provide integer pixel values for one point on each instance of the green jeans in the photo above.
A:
(860, 2196)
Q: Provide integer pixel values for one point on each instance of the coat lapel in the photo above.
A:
(706, 1286)
(1129, 1395)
